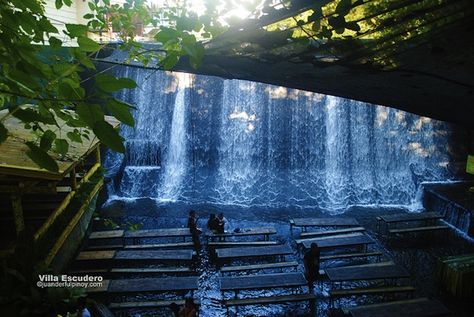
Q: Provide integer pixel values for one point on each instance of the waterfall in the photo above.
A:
(176, 159)
(202, 139)
(238, 142)
(337, 159)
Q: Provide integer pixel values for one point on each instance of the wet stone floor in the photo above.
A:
(418, 253)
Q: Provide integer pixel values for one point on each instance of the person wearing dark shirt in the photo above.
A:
(220, 223)
(212, 222)
(192, 222)
(311, 265)
(195, 231)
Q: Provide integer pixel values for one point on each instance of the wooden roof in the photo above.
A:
(13, 158)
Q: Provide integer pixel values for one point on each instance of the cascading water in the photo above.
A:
(238, 142)
(337, 158)
(176, 159)
(205, 140)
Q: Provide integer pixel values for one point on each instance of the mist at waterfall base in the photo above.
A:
(204, 140)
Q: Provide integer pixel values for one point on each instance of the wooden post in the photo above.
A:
(97, 153)
(18, 213)
(73, 179)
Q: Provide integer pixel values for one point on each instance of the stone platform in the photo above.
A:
(455, 201)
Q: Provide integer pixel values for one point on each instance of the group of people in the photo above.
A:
(215, 224)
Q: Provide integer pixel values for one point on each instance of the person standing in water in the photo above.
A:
(192, 222)
(311, 265)
(220, 226)
(195, 231)
(212, 223)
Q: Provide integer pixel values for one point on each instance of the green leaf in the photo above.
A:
(354, 26)
(188, 23)
(76, 30)
(68, 2)
(83, 59)
(61, 146)
(121, 111)
(23, 79)
(33, 5)
(64, 69)
(59, 4)
(166, 34)
(69, 89)
(41, 157)
(110, 83)
(47, 140)
(29, 115)
(87, 45)
(316, 26)
(195, 51)
(196, 58)
(337, 22)
(76, 123)
(344, 6)
(109, 136)
(3, 133)
(470, 164)
(74, 136)
(325, 33)
(170, 60)
(55, 43)
(46, 26)
(90, 113)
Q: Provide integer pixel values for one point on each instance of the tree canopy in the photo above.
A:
(54, 81)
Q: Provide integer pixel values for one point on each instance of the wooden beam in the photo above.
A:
(97, 154)
(28, 189)
(89, 173)
(31, 172)
(54, 215)
(18, 213)
(58, 211)
(73, 178)
(72, 224)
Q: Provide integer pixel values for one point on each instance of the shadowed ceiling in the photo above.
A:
(413, 55)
